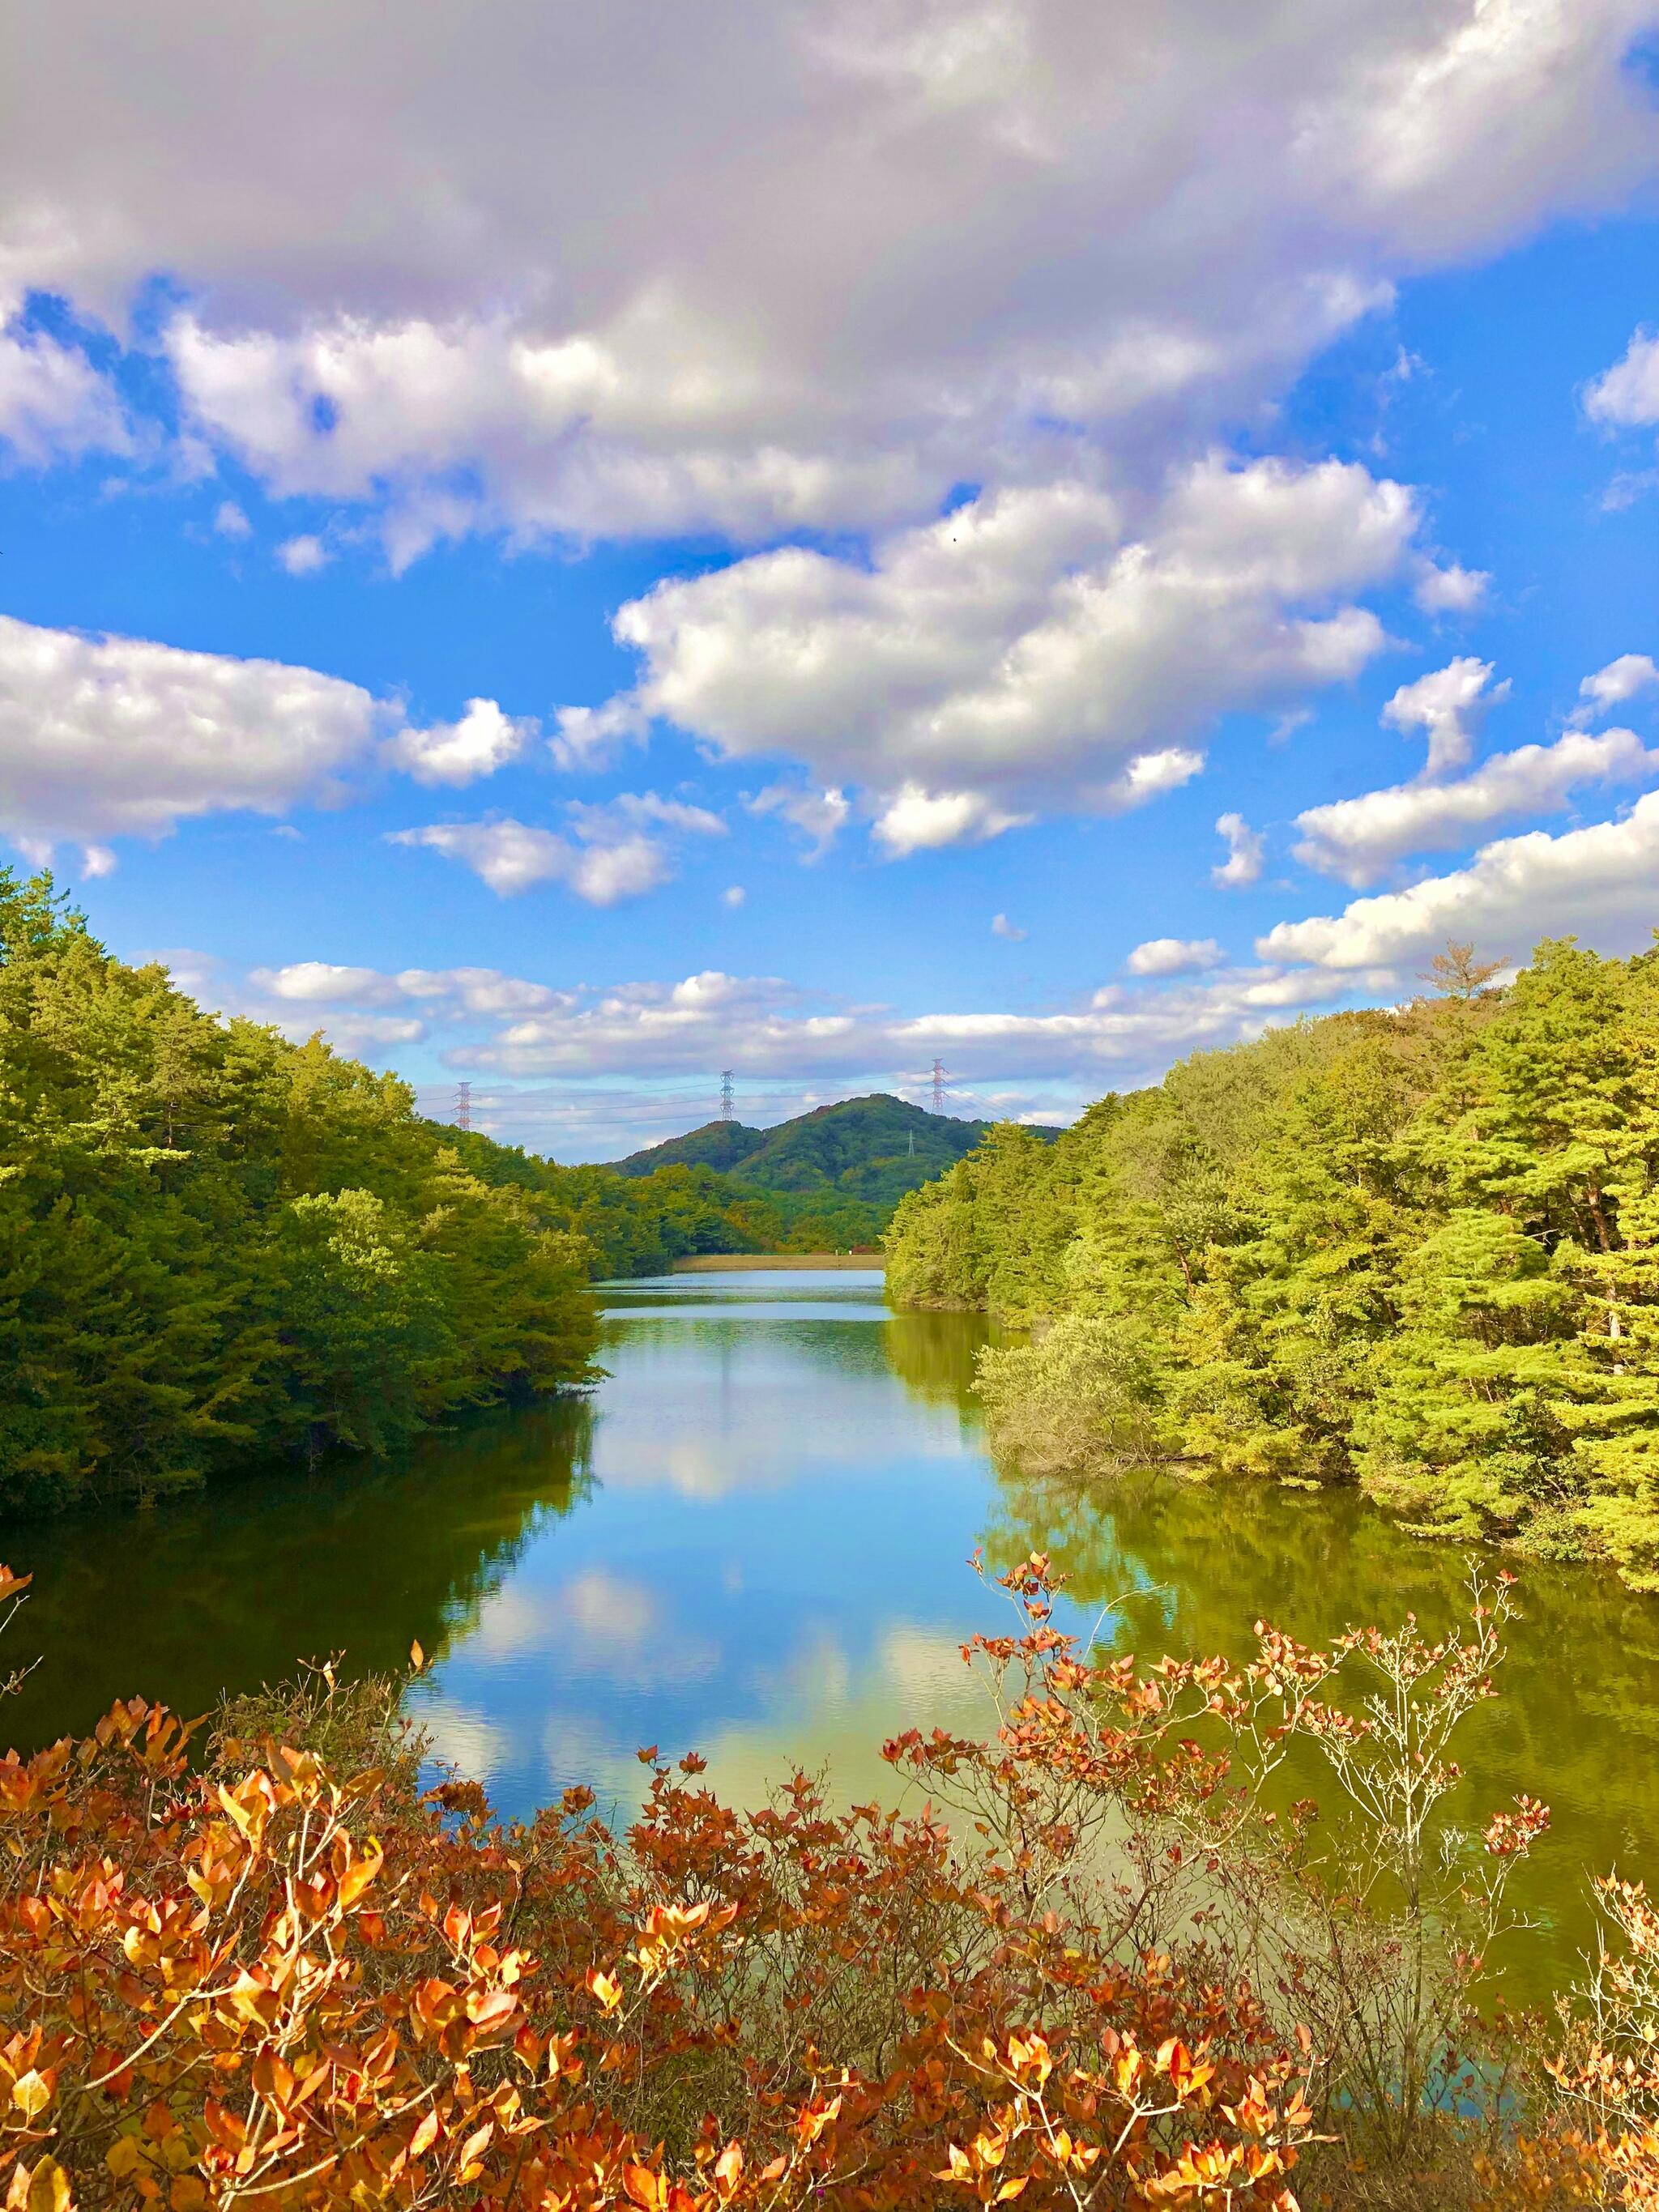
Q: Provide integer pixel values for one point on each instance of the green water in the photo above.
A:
(752, 1540)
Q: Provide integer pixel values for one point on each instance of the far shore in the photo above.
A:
(717, 1263)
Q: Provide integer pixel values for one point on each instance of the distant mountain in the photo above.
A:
(872, 1149)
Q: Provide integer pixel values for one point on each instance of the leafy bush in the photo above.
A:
(1109, 1979)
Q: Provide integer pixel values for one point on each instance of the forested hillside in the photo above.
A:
(1418, 1249)
(832, 1176)
(216, 1244)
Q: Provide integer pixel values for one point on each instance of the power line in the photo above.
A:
(463, 1106)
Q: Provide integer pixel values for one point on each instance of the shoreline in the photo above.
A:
(719, 1263)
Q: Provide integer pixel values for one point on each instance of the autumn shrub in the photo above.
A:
(1093, 1970)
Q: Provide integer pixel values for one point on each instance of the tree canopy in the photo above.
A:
(216, 1244)
(1416, 1247)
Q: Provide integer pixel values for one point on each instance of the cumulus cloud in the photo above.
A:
(303, 556)
(1001, 926)
(483, 740)
(1360, 839)
(611, 855)
(1621, 679)
(489, 282)
(1598, 881)
(1034, 647)
(107, 736)
(1447, 706)
(230, 521)
(1626, 397)
(915, 819)
(820, 816)
(53, 404)
(1452, 590)
(762, 1027)
(484, 992)
(1246, 850)
(1174, 955)
(103, 737)
(507, 1031)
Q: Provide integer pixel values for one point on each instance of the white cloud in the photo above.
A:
(53, 404)
(1448, 705)
(733, 896)
(914, 820)
(1031, 648)
(772, 1031)
(634, 808)
(1246, 850)
(483, 740)
(759, 1026)
(303, 556)
(1001, 926)
(1621, 679)
(770, 294)
(326, 983)
(230, 521)
(452, 991)
(820, 816)
(1601, 882)
(1174, 955)
(1451, 590)
(1626, 397)
(634, 1056)
(1360, 839)
(102, 737)
(611, 858)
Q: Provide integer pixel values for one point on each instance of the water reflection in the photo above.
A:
(1185, 1569)
(231, 1589)
(752, 1541)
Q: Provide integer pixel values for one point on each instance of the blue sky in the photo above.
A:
(895, 478)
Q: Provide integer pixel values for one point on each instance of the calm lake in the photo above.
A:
(752, 1540)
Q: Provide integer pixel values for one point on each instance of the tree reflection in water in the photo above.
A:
(229, 1591)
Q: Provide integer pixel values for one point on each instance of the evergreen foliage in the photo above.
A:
(1417, 1248)
(216, 1244)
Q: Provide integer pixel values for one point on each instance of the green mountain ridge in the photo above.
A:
(871, 1150)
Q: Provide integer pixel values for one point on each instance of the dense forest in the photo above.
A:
(216, 1244)
(1417, 1249)
(831, 1178)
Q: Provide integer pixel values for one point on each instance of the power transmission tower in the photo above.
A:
(463, 1106)
(939, 1086)
(726, 1094)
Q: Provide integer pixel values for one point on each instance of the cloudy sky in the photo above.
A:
(576, 547)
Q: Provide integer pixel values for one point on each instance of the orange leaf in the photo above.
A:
(643, 2186)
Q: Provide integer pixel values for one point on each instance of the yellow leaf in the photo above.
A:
(49, 2189)
(31, 2093)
